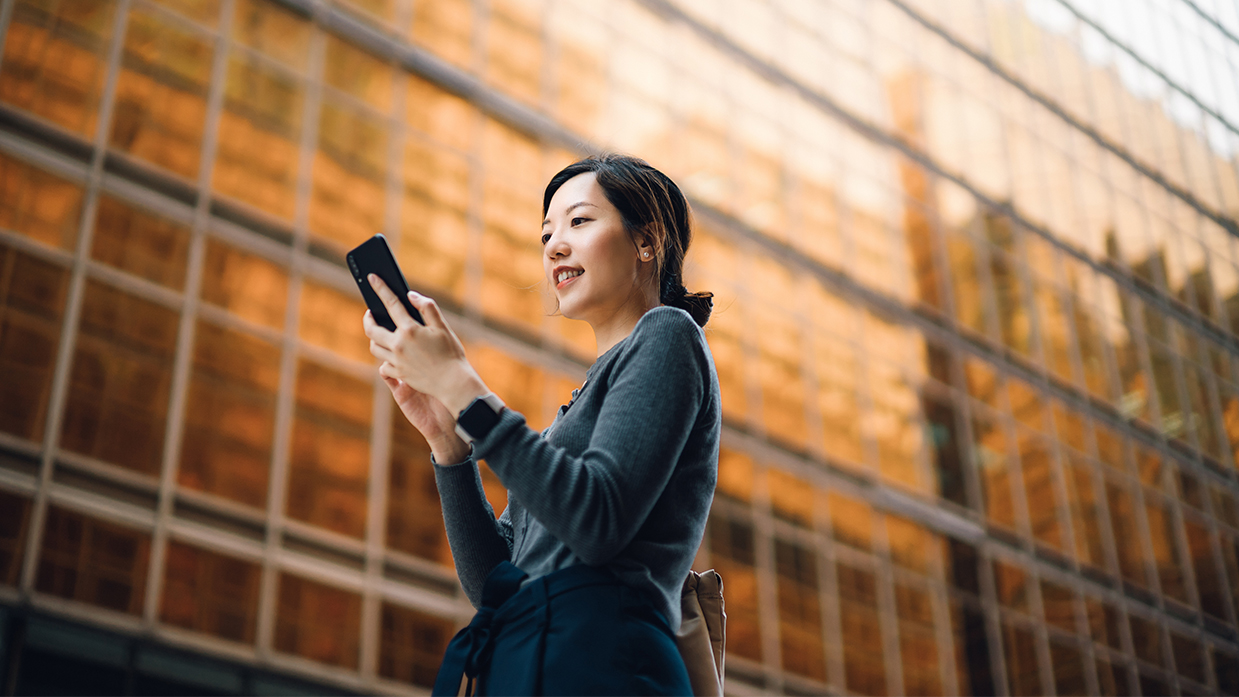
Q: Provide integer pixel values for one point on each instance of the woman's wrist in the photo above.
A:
(461, 392)
(450, 450)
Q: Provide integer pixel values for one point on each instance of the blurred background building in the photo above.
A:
(976, 326)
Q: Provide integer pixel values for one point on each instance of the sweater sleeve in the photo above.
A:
(596, 503)
(478, 541)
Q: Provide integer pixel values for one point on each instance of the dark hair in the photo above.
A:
(651, 206)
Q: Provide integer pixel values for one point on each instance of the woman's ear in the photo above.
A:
(645, 248)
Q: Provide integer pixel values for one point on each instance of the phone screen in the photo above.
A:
(374, 257)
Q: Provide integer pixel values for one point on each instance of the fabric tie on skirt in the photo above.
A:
(469, 651)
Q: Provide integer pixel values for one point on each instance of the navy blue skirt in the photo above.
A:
(577, 631)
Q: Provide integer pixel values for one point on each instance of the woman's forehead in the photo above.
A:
(583, 187)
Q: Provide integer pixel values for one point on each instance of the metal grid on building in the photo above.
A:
(976, 323)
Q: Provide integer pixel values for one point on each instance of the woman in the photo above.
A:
(578, 581)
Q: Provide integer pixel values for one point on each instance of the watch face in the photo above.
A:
(478, 419)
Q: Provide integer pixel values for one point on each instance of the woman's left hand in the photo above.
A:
(428, 358)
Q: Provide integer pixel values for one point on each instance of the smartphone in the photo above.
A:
(374, 257)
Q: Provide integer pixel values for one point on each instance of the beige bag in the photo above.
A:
(702, 638)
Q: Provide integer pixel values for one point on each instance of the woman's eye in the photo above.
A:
(546, 237)
(578, 221)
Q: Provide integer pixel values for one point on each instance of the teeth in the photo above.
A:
(564, 275)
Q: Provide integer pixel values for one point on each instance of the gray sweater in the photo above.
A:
(623, 477)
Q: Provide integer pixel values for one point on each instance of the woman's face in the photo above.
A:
(590, 261)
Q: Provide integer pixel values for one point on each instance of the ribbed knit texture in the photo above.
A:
(623, 477)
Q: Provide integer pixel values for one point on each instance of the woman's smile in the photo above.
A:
(569, 279)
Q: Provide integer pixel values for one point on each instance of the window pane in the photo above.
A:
(329, 466)
(121, 377)
(1146, 640)
(731, 553)
(414, 518)
(93, 562)
(1189, 659)
(727, 349)
(143, 244)
(779, 361)
(32, 301)
(358, 73)
(518, 384)
(990, 450)
(800, 613)
(1167, 554)
(446, 28)
(972, 663)
(918, 646)
(14, 520)
(941, 416)
(210, 592)
(274, 31)
(1126, 534)
(911, 545)
(1037, 462)
(514, 41)
(1011, 586)
(161, 93)
(230, 415)
(511, 211)
(259, 135)
(862, 652)
(1085, 510)
(1068, 665)
(37, 204)
(412, 644)
(434, 219)
(791, 498)
(1059, 605)
(245, 284)
(735, 474)
(1023, 674)
(332, 319)
(1212, 594)
(53, 63)
(348, 196)
(305, 608)
(851, 520)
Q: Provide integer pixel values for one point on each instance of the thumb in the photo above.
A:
(429, 309)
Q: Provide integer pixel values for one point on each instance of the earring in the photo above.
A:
(646, 255)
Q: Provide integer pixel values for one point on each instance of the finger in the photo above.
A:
(381, 352)
(388, 371)
(395, 309)
(374, 331)
(429, 309)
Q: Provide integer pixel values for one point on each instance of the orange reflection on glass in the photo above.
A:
(1011, 586)
(305, 609)
(912, 546)
(1167, 554)
(210, 592)
(352, 70)
(780, 361)
(329, 465)
(14, 529)
(1036, 456)
(274, 31)
(1085, 506)
(332, 320)
(514, 41)
(511, 213)
(791, 497)
(580, 71)
(32, 302)
(1058, 603)
(1020, 649)
(141, 243)
(121, 379)
(434, 219)
(446, 28)
(519, 385)
(37, 204)
(735, 474)
(230, 415)
(724, 334)
(862, 651)
(259, 134)
(53, 63)
(990, 453)
(93, 562)
(414, 518)
(411, 644)
(245, 284)
(918, 647)
(348, 193)
(732, 554)
(1200, 554)
(969, 288)
(1126, 534)
(851, 520)
(161, 93)
(800, 613)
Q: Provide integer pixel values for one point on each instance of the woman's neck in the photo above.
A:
(615, 328)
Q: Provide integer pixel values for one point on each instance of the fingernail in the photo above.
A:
(371, 277)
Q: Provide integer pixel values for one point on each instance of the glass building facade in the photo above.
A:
(977, 328)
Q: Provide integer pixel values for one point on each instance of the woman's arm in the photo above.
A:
(478, 541)
(596, 503)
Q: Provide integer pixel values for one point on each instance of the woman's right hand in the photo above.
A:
(432, 419)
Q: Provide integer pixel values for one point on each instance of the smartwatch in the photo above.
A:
(476, 420)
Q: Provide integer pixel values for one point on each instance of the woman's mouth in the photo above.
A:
(567, 277)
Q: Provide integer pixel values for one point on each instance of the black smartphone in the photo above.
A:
(374, 257)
